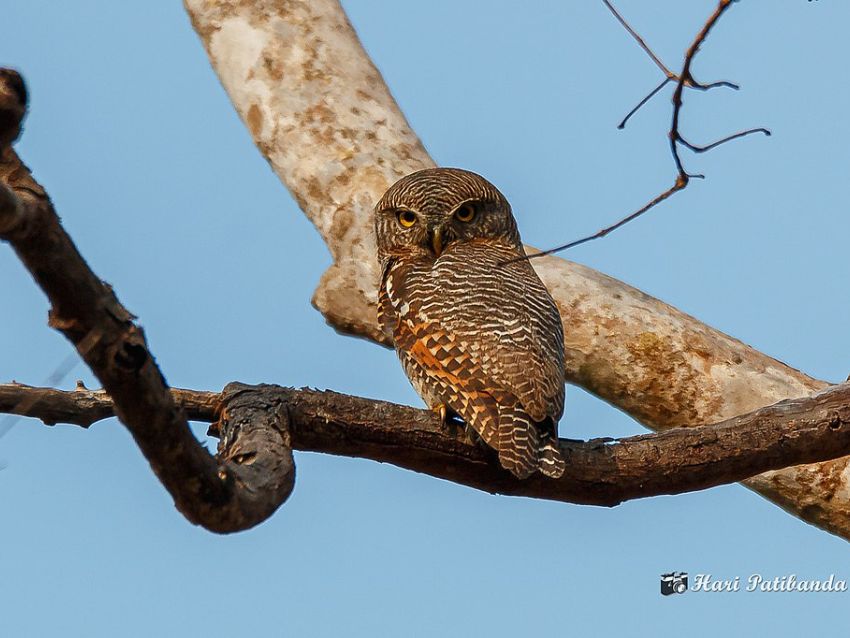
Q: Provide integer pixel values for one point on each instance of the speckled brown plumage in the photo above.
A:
(475, 332)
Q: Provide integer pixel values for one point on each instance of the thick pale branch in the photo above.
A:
(208, 491)
(321, 114)
(600, 472)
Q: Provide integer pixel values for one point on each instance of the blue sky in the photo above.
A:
(159, 184)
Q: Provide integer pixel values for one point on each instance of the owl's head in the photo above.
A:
(429, 211)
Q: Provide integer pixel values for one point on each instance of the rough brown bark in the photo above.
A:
(214, 492)
(599, 472)
(321, 114)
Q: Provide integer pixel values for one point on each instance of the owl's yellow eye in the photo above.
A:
(466, 213)
(406, 218)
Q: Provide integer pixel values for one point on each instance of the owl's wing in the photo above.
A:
(521, 340)
(493, 330)
(433, 358)
(387, 314)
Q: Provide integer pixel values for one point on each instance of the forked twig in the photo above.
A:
(683, 79)
(669, 75)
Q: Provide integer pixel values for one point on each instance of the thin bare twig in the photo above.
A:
(640, 104)
(723, 140)
(643, 45)
(62, 370)
(679, 185)
(683, 79)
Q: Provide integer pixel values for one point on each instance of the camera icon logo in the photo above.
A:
(674, 583)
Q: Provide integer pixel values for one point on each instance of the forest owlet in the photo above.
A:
(476, 330)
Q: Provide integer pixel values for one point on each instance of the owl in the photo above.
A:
(476, 331)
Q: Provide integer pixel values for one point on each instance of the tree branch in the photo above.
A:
(214, 492)
(599, 472)
(331, 109)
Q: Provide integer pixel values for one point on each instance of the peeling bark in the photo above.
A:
(321, 114)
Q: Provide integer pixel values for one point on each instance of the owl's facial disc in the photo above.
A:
(432, 211)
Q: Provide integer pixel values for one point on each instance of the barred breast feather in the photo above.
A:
(480, 333)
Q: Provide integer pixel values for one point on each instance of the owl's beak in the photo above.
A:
(437, 240)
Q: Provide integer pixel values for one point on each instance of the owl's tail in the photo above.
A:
(551, 460)
(525, 446)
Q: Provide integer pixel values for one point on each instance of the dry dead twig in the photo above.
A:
(684, 79)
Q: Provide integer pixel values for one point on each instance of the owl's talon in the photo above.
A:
(442, 412)
(449, 421)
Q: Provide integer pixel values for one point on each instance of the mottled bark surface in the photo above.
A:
(599, 472)
(323, 117)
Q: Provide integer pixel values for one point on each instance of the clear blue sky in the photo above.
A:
(159, 184)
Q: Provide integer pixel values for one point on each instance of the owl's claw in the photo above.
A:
(442, 411)
(449, 420)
